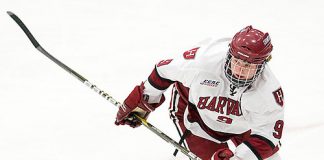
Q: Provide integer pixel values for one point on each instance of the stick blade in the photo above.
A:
(10, 13)
(24, 28)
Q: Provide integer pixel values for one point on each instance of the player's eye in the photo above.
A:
(247, 65)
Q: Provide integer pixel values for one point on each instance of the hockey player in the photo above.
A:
(223, 89)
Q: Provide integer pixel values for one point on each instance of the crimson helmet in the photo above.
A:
(251, 46)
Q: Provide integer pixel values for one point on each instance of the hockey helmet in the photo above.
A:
(250, 46)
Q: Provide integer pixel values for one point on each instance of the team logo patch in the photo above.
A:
(279, 96)
(190, 54)
(211, 83)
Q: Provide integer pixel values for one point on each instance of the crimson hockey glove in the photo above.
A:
(137, 103)
(222, 154)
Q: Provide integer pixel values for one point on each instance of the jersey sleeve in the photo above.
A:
(264, 110)
(182, 68)
(266, 131)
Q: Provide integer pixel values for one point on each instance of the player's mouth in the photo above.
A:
(239, 76)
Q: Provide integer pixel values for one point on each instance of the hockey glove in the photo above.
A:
(137, 103)
(222, 154)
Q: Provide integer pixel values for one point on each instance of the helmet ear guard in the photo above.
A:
(268, 58)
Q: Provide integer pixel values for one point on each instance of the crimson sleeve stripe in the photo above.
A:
(265, 140)
(253, 150)
(159, 82)
(260, 146)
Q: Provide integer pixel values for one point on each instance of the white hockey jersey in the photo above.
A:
(220, 107)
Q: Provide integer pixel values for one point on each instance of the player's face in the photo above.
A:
(242, 69)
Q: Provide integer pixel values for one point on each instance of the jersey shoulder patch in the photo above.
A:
(164, 62)
(279, 96)
(190, 54)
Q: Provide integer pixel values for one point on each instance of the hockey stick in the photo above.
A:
(99, 91)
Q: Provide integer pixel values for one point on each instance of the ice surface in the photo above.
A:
(46, 114)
